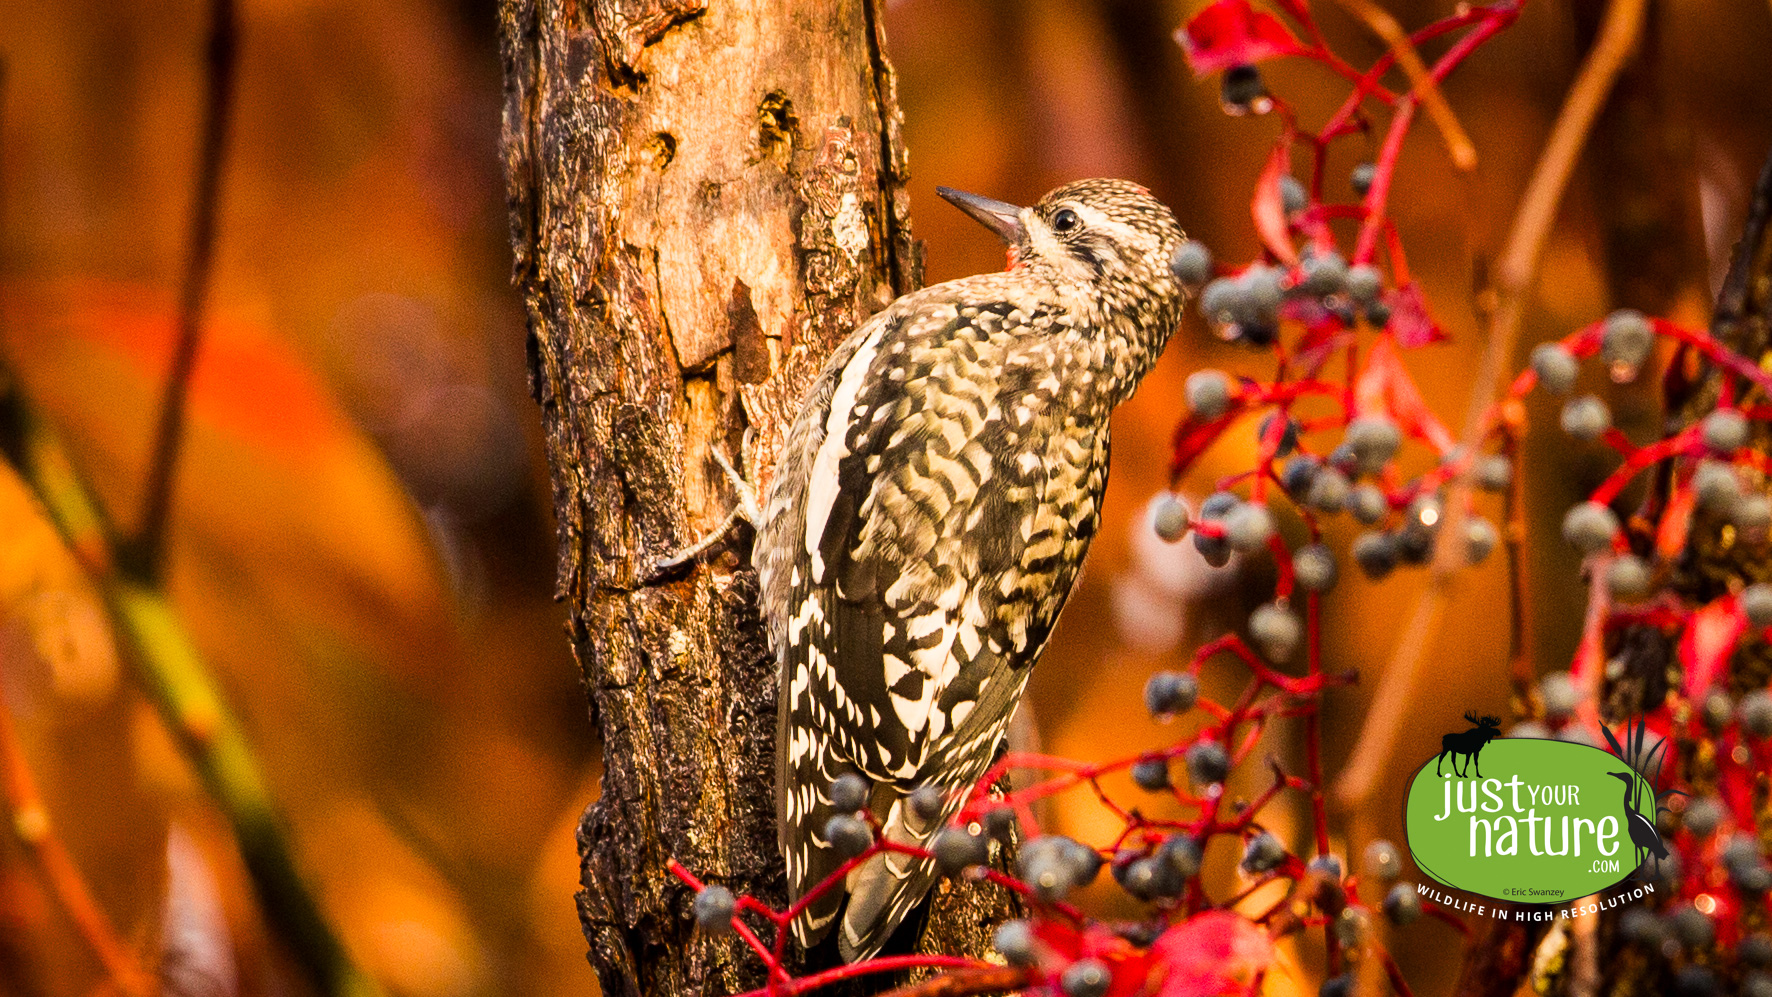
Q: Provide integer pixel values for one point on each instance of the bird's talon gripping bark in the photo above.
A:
(745, 510)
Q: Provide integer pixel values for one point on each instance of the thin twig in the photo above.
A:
(968, 983)
(1753, 255)
(1514, 274)
(1382, 24)
(143, 554)
(188, 698)
(33, 828)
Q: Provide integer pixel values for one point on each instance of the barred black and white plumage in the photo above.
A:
(929, 512)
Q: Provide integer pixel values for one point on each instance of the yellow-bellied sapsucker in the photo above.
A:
(929, 512)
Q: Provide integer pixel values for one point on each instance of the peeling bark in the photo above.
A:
(704, 199)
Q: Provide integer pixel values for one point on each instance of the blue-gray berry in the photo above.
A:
(1183, 855)
(1148, 878)
(714, 907)
(1298, 474)
(1717, 487)
(1703, 816)
(1640, 926)
(848, 835)
(1086, 978)
(1192, 263)
(1585, 418)
(1167, 693)
(1367, 504)
(1691, 927)
(1314, 568)
(1329, 490)
(1216, 550)
(1222, 300)
(1480, 537)
(1752, 513)
(1293, 197)
(1755, 713)
(1208, 393)
(1151, 774)
(1556, 368)
(1375, 440)
(1696, 981)
(955, 849)
(1589, 527)
(1262, 289)
(1402, 904)
(1725, 431)
(1276, 631)
(928, 802)
(1383, 861)
(849, 793)
(1248, 527)
(1362, 177)
(1045, 865)
(1169, 517)
(1375, 553)
(1494, 473)
(1755, 950)
(1363, 283)
(1628, 578)
(1756, 603)
(1626, 339)
(1242, 90)
(1208, 763)
(1558, 692)
(1263, 853)
(1017, 943)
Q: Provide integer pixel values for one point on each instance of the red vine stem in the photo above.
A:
(33, 828)
(1514, 274)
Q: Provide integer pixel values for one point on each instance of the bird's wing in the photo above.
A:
(931, 579)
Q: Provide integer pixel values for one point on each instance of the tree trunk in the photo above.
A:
(703, 199)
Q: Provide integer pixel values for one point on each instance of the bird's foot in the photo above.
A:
(746, 510)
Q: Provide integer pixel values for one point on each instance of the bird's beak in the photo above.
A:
(1000, 217)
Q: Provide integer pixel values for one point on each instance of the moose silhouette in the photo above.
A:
(1468, 744)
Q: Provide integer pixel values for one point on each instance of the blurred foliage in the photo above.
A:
(361, 537)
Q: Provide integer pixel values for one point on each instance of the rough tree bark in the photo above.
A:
(704, 199)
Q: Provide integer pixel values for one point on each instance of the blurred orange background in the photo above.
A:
(362, 538)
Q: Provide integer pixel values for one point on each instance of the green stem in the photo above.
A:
(192, 706)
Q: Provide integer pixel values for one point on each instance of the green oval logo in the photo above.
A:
(1530, 821)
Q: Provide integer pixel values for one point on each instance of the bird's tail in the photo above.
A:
(803, 808)
(883, 890)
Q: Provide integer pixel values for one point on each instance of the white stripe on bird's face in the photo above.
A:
(1104, 232)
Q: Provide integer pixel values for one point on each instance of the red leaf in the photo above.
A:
(1385, 387)
(1709, 640)
(1269, 210)
(1129, 967)
(1229, 33)
(1410, 322)
(1215, 954)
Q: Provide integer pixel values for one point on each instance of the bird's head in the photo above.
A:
(1108, 238)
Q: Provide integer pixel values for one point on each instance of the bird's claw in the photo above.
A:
(747, 510)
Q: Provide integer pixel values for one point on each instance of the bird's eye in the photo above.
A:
(1065, 220)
